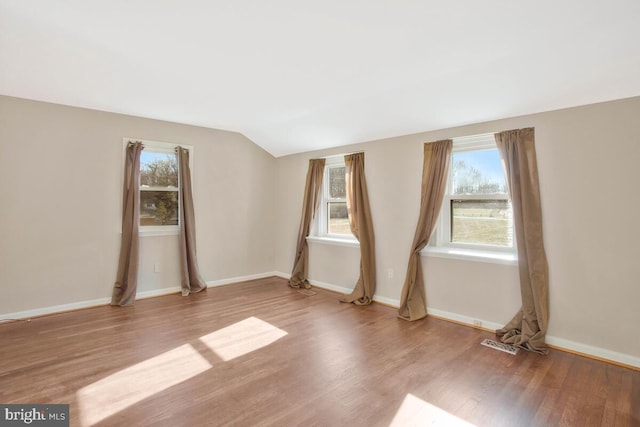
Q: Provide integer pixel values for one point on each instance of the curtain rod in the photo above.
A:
(342, 154)
(130, 142)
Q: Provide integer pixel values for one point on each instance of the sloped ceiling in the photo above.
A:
(296, 76)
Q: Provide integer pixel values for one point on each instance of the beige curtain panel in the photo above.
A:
(124, 290)
(313, 187)
(529, 326)
(437, 157)
(191, 281)
(362, 229)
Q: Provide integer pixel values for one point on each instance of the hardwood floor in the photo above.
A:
(260, 353)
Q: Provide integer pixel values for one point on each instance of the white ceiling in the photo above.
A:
(296, 75)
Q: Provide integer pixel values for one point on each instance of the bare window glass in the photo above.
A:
(158, 208)
(478, 172)
(480, 210)
(158, 169)
(336, 208)
(337, 183)
(338, 218)
(333, 218)
(158, 189)
(485, 222)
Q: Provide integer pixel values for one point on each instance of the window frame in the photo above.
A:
(440, 243)
(166, 148)
(321, 222)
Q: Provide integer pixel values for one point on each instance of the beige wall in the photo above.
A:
(589, 164)
(60, 191)
(60, 204)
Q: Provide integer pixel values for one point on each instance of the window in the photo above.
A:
(333, 220)
(476, 212)
(159, 187)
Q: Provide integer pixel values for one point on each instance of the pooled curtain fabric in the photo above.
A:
(124, 290)
(310, 205)
(191, 280)
(361, 227)
(437, 157)
(529, 326)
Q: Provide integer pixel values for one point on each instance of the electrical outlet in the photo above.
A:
(156, 267)
(390, 273)
(477, 322)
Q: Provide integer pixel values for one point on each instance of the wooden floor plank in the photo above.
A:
(335, 364)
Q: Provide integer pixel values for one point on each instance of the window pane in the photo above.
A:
(484, 222)
(336, 183)
(158, 208)
(338, 218)
(478, 172)
(158, 169)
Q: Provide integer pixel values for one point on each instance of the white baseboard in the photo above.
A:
(26, 314)
(597, 352)
(395, 303)
(222, 282)
(54, 309)
(459, 318)
(560, 343)
(330, 287)
(341, 289)
(157, 292)
(82, 304)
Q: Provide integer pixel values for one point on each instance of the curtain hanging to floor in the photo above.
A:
(124, 290)
(311, 201)
(361, 227)
(191, 280)
(529, 326)
(436, 161)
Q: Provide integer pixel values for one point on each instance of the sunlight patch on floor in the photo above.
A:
(241, 338)
(116, 392)
(416, 412)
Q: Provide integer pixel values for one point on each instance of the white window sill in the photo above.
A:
(154, 233)
(351, 243)
(471, 255)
